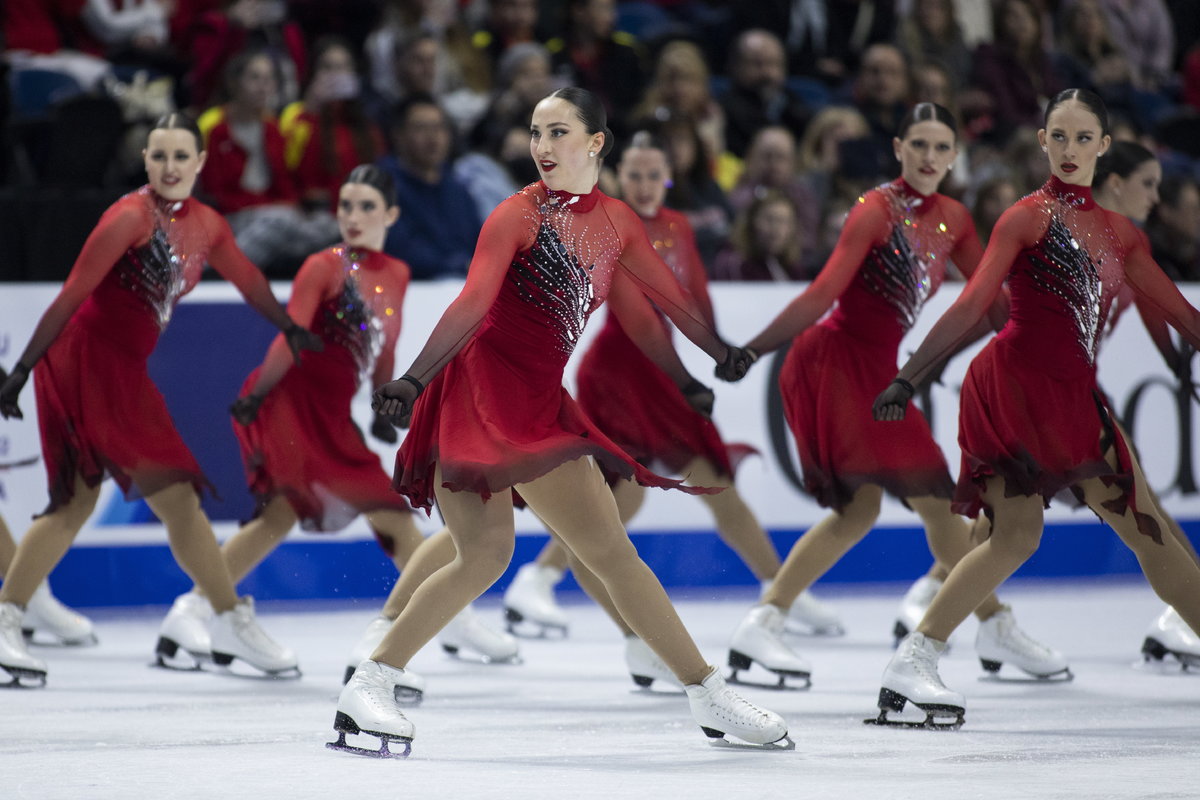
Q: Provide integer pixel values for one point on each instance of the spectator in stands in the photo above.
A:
(931, 32)
(438, 225)
(758, 94)
(771, 166)
(508, 23)
(609, 63)
(244, 25)
(882, 94)
(329, 132)
(1174, 228)
(1144, 29)
(523, 80)
(246, 177)
(38, 34)
(681, 85)
(694, 191)
(820, 149)
(992, 199)
(765, 244)
(1016, 71)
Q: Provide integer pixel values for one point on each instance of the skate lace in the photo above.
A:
(250, 633)
(924, 661)
(1015, 640)
(10, 623)
(377, 689)
(738, 709)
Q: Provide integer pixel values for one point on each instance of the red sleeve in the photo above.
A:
(233, 266)
(505, 232)
(867, 226)
(1154, 289)
(654, 278)
(126, 224)
(386, 365)
(696, 278)
(966, 255)
(1018, 228)
(314, 284)
(644, 328)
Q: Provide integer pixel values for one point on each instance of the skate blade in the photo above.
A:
(240, 668)
(382, 752)
(169, 655)
(23, 678)
(1155, 652)
(930, 723)
(473, 657)
(821, 631)
(646, 685)
(781, 678)
(40, 638)
(523, 627)
(992, 675)
(721, 740)
(1170, 664)
(407, 697)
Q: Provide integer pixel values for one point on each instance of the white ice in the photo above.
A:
(569, 723)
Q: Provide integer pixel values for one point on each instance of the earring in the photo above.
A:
(591, 153)
(950, 168)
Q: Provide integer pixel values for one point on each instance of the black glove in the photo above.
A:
(10, 389)
(394, 401)
(699, 397)
(245, 409)
(383, 430)
(892, 403)
(299, 339)
(736, 364)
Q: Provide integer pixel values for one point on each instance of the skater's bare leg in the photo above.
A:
(193, 543)
(483, 534)
(822, 546)
(630, 495)
(45, 543)
(400, 531)
(1171, 522)
(1016, 533)
(736, 524)
(255, 540)
(575, 502)
(949, 537)
(553, 555)
(431, 555)
(595, 589)
(8, 548)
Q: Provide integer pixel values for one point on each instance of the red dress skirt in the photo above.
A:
(829, 381)
(304, 445)
(639, 406)
(99, 413)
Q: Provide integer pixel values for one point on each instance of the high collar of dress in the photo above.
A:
(911, 196)
(171, 208)
(571, 202)
(358, 257)
(1069, 193)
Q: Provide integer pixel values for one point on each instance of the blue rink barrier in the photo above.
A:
(346, 569)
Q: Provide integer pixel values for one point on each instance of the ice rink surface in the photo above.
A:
(569, 723)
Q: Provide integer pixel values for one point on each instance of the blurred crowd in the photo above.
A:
(777, 114)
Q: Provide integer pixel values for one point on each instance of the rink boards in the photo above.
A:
(215, 340)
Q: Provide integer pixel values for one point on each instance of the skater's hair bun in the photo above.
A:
(177, 121)
(927, 112)
(1120, 160)
(1085, 96)
(590, 112)
(376, 178)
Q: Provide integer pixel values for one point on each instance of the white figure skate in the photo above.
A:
(410, 690)
(367, 705)
(645, 667)
(722, 712)
(759, 639)
(1169, 635)
(912, 677)
(1001, 641)
(529, 605)
(45, 616)
(467, 633)
(183, 638)
(15, 659)
(813, 617)
(912, 607)
(237, 634)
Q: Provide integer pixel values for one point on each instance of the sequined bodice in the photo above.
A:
(350, 321)
(161, 271)
(910, 266)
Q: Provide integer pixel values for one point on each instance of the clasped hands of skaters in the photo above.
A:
(393, 401)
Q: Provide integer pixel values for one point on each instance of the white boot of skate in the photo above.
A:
(236, 634)
(912, 607)
(183, 638)
(467, 633)
(1001, 641)
(529, 599)
(409, 691)
(645, 667)
(1170, 635)
(759, 639)
(912, 677)
(367, 704)
(813, 617)
(15, 659)
(722, 712)
(45, 615)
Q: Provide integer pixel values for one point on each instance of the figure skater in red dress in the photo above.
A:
(305, 459)
(492, 417)
(892, 255)
(100, 414)
(1032, 421)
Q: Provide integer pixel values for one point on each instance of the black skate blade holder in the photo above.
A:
(717, 739)
(382, 752)
(19, 677)
(513, 624)
(892, 701)
(739, 662)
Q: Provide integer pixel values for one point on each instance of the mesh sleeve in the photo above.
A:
(1156, 293)
(228, 260)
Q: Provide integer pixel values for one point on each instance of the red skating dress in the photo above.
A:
(303, 444)
(1031, 412)
(497, 414)
(630, 398)
(890, 258)
(98, 411)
